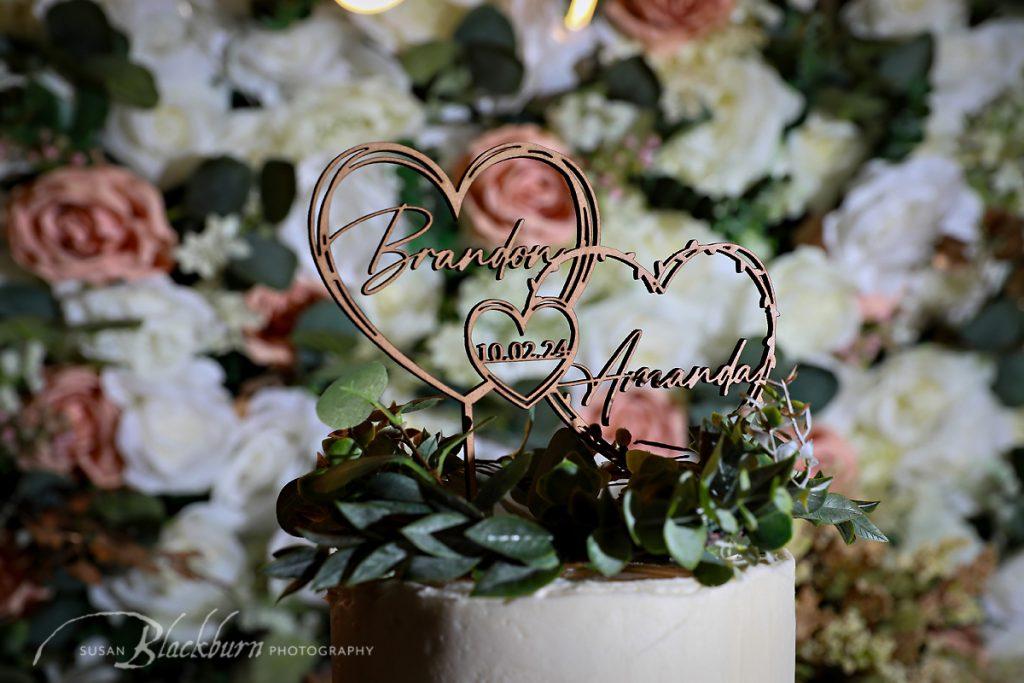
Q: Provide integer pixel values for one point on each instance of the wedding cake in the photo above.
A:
(632, 628)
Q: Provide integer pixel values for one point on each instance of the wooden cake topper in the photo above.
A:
(390, 261)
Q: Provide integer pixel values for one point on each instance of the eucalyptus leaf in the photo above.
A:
(609, 549)
(685, 543)
(376, 564)
(504, 580)
(516, 538)
(277, 189)
(711, 571)
(439, 569)
(218, 186)
(773, 530)
(421, 533)
(291, 562)
(504, 480)
(333, 569)
(269, 262)
(349, 400)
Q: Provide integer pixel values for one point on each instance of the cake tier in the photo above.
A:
(590, 631)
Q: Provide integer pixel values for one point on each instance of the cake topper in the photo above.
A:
(491, 358)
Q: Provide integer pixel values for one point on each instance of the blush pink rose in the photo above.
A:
(521, 188)
(279, 310)
(648, 415)
(664, 24)
(877, 308)
(97, 224)
(77, 425)
(837, 458)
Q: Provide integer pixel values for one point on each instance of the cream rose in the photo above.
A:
(820, 313)
(413, 22)
(903, 18)
(278, 441)
(588, 120)
(1004, 603)
(177, 433)
(930, 414)
(314, 122)
(750, 106)
(217, 579)
(886, 229)
(970, 69)
(818, 157)
(165, 143)
(175, 324)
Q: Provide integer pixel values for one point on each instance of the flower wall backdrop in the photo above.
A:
(164, 329)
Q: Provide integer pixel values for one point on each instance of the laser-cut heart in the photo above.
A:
(560, 352)
(321, 235)
(656, 283)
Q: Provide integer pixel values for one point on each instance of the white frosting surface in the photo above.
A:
(592, 631)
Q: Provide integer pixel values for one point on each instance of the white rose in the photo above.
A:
(930, 415)
(819, 156)
(818, 304)
(176, 433)
(166, 142)
(407, 309)
(279, 439)
(971, 68)
(216, 557)
(334, 117)
(588, 120)
(886, 229)
(274, 64)
(549, 51)
(175, 324)
(903, 18)
(1004, 602)
(413, 22)
(361, 193)
(165, 34)
(750, 106)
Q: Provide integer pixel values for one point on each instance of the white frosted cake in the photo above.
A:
(592, 631)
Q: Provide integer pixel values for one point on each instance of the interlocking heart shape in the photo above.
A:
(582, 258)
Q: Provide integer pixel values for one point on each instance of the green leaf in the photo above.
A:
(999, 325)
(835, 510)
(632, 80)
(125, 507)
(609, 549)
(124, 81)
(515, 538)
(219, 186)
(773, 530)
(726, 520)
(495, 70)
(394, 486)
(1009, 384)
(421, 533)
(363, 515)
(23, 300)
(439, 569)
(815, 386)
(866, 529)
(291, 562)
(91, 108)
(277, 189)
(80, 28)
(907, 63)
(486, 25)
(635, 459)
(419, 404)
(712, 571)
(685, 543)
(376, 564)
(503, 481)
(425, 61)
(333, 568)
(350, 399)
(504, 580)
(335, 478)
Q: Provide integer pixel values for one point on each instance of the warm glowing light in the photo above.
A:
(580, 14)
(368, 6)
